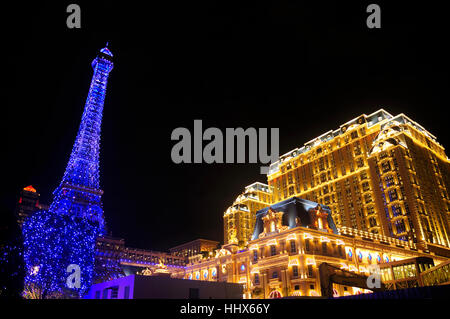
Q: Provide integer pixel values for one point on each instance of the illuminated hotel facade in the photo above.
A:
(239, 218)
(283, 260)
(379, 173)
(384, 180)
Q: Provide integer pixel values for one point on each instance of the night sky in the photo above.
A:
(303, 68)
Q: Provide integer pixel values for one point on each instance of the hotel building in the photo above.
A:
(27, 204)
(239, 218)
(371, 193)
(292, 239)
(194, 248)
(379, 173)
(382, 182)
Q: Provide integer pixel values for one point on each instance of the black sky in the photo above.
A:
(301, 67)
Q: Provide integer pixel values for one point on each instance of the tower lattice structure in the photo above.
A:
(66, 234)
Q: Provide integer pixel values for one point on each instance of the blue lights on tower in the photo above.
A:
(66, 233)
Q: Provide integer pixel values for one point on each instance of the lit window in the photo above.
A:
(256, 279)
(272, 226)
(295, 271)
(273, 250)
(293, 247)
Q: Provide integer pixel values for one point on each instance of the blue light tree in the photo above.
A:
(66, 233)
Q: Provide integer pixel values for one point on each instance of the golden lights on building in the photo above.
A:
(285, 261)
(380, 173)
(385, 180)
(239, 218)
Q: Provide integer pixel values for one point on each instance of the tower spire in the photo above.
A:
(79, 193)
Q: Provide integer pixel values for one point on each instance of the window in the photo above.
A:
(400, 226)
(297, 287)
(114, 292)
(324, 247)
(372, 222)
(310, 271)
(274, 275)
(396, 210)
(256, 279)
(105, 293)
(126, 293)
(389, 180)
(295, 271)
(385, 167)
(340, 250)
(293, 247)
(360, 162)
(273, 250)
(255, 256)
(365, 186)
(307, 245)
(97, 294)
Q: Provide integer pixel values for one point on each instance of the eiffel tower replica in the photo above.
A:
(65, 235)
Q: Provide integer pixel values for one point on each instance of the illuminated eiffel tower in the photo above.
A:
(79, 193)
(66, 234)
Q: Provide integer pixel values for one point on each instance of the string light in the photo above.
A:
(66, 233)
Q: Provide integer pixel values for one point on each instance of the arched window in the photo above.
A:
(360, 256)
(319, 221)
(275, 294)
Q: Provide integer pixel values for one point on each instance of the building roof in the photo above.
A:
(293, 208)
(29, 188)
